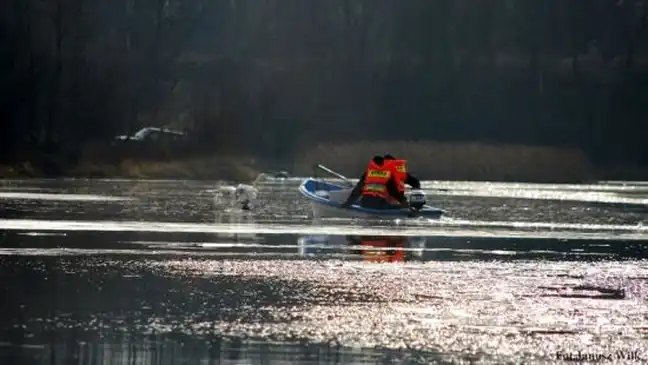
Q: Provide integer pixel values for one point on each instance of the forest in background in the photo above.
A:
(267, 78)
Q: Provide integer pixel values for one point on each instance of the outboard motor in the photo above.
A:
(417, 199)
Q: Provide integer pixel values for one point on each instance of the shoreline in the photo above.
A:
(428, 160)
(177, 170)
(237, 169)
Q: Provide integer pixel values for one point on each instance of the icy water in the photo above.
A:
(158, 272)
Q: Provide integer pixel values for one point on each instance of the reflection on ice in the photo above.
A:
(61, 197)
(368, 248)
(236, 217)
(165, 351)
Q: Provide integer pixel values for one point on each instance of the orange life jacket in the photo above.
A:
(400, 168)
(397, 254)
(376, 178)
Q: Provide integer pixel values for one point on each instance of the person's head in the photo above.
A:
(378, 160)
(388, 157)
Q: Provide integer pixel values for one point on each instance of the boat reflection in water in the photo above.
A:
(370, 249)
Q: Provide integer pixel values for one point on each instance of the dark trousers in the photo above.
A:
(375, 202)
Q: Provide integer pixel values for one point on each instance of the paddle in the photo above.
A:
(320, 166)
(336, 174)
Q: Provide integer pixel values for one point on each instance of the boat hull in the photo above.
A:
(326, 200)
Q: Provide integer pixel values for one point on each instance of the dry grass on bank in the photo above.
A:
(458, 161)
(17, 171)
(427, 160)
(133, 161)
(210, 168)
(213, 168)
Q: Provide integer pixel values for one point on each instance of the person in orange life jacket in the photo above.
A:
(407, 178)
(378, 188)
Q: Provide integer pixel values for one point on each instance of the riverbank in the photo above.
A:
(203, 168)
(471, 161)
(428, 160)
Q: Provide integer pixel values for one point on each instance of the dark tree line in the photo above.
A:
(269, 76)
